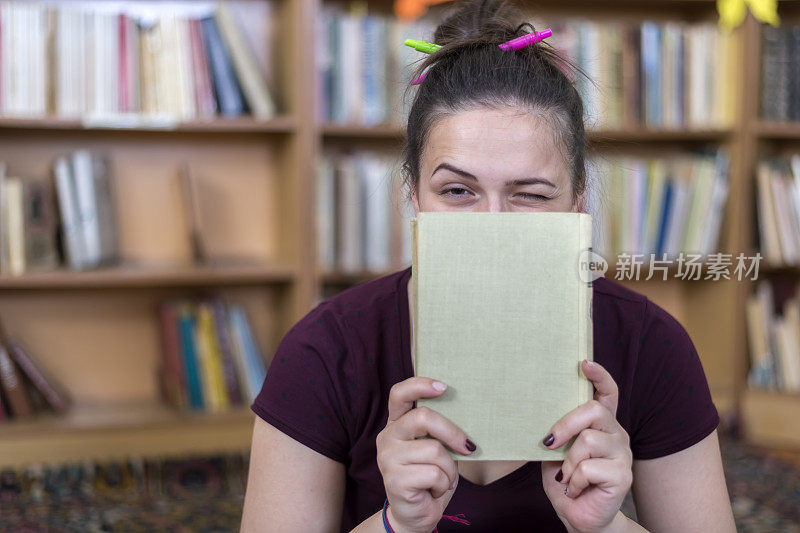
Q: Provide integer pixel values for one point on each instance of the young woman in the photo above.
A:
(337, 444)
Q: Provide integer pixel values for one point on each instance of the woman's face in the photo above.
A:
(493, 160)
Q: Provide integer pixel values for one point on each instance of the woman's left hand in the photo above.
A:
(596, 475)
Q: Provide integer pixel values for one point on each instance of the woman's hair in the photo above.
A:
(470, 71)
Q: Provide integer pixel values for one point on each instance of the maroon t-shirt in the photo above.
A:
(328, 386)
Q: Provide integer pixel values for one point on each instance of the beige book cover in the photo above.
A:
(502, 315)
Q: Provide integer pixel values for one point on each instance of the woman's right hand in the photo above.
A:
(418, 473)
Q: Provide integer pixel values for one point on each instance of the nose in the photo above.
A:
(497, 204)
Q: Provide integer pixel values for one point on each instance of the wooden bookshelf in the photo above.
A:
(122, 431)
(96, 332)
(768, 418)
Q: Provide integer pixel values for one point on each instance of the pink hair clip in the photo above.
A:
(510, 46)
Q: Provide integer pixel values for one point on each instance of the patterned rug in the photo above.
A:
(206, 494)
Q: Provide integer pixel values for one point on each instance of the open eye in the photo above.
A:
(455, 192)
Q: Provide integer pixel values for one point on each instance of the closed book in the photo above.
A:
(248, 385)
(718, 198)
(767, 221)
(651, 74)
(56, 399)
(13, 386)
(72, 240)
(250, 79)
(666, 207)
(204, 92)
(39, 226)
(225, 345)
(3, 222)
(791, 341)
(82, 171)
(376, 179)
(14, 218)
(350, 213)
(761, 367)
(210, 359)
(374, 71)
(794, 73)
(631, 76)
(105, 207)
(229, 97)
(502, 315)
(326, 214)
(191, 364)
(172, 369)
(255, 369)
(656, 184)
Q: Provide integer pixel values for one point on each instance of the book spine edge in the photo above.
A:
(586, 294)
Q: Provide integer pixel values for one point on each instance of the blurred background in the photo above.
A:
(181, 181)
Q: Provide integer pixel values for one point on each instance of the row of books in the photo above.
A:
(773, 330)
(210, 357)
(363, 67)
(669, 75)
(30, 222)
(778, 209)
(129, 63)
(780, 72)
(362, 220)
(24, 388)
(659, 75)
(658, 206)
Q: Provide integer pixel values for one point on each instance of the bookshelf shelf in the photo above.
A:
(770, 418)
(280, 124)
(633, 135)
(137, 277)
(778, 130)
(120, 431)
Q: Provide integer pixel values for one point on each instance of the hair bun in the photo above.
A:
(479, 21)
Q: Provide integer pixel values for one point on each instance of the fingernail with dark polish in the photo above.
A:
(470, 445)
(559, 475)
(548, 440)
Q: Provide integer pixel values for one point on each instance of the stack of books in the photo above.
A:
(658, 206)
(774, 338)
(134, 63)
(780, 72)
(362, 219)
(778, 207)
(210, 358)
(29, 220)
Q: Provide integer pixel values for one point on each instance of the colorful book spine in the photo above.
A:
(226, 351)
(211, 360)
(191, 364)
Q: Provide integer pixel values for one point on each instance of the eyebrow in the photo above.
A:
(517, 182)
